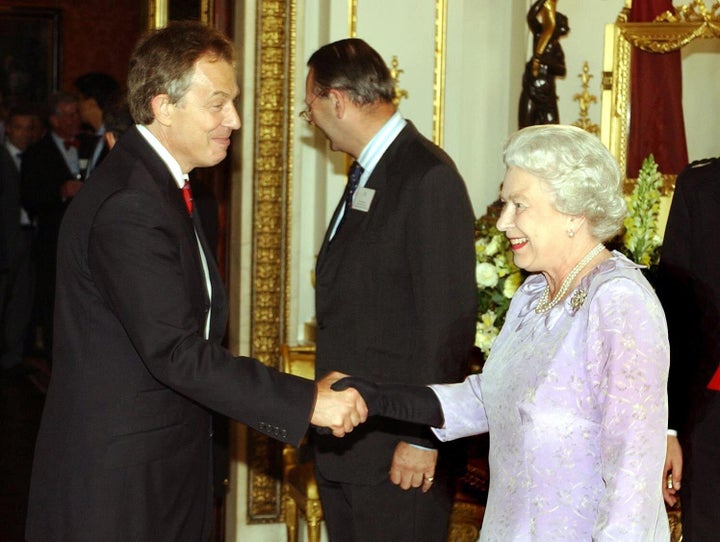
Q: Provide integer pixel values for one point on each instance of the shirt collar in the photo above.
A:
(12, 148)
(376, 147)
(165, 156)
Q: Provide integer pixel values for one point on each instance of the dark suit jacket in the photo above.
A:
(396, 296)
(124, 449)
(44, 171)
(689, 289)
(10, 205)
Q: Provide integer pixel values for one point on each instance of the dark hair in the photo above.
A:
(22, 110)
(57, 98)
(355, 67)
(116, 117)
(164, 62)
(99, 86)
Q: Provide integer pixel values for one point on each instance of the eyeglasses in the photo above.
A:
(306, 114)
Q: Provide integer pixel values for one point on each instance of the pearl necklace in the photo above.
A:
(545, 304)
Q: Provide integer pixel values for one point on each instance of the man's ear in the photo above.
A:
(110, 140)
(162, 109)
(338, 99)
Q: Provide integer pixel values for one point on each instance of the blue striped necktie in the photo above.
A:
(354, 174)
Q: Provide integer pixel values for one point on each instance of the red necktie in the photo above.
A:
(71, 143)
(187, 196)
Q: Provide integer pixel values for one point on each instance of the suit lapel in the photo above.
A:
(356, 221)
(218, 315)
(160, 174)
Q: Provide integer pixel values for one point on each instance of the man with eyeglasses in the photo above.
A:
(395, 297)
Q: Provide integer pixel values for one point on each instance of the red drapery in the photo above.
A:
(656, 116)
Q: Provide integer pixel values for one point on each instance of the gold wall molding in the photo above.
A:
(352, 18)
(269, 272)
(158, 13)
(439, 72)
(438, 105)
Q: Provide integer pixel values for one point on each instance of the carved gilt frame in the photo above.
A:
(157, 12)
(667, 33)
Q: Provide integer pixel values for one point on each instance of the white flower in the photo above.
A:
(486, 332)
(486, 275)
(493, 246)
(512, 283)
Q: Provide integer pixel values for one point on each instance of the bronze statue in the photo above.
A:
(538, 101)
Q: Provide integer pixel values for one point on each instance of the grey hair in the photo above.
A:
(580, 172)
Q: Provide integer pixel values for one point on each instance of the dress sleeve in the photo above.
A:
(628, 357)
(463, 408)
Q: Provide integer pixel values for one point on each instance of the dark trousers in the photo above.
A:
(385, 512)
(17, 300)
(44, 306)
(700, 493)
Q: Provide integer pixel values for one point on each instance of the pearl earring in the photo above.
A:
(571, 233)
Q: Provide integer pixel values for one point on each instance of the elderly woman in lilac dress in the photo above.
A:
(573, 393)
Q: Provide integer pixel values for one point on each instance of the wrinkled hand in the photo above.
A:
(413, 467)
(672, 471)
(367, 388)
(340, 411)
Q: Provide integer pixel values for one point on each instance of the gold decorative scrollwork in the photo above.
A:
(690, 22)
(395, 72)
(693, 13)
(668, 33)
(584, 100)
(273, 136)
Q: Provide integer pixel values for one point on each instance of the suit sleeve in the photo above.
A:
(441, 255)
(675, 290)
(139, 257)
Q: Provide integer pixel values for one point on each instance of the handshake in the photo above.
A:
(340, 411)
(344, 402)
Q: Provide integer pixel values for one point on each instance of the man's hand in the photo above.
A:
(413, 467)
(341, 411)
(69, 188)
(672, 472)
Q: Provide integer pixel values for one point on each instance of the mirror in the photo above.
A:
(700, 83)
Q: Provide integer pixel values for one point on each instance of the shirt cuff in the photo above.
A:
(421, 447)
(671, 433)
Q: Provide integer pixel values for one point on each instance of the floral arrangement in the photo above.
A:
(497, 279)
(641, 241)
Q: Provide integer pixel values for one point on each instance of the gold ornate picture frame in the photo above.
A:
(667, 33)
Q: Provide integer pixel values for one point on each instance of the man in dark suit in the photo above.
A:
(395, 296)
(16, 298)
(689, 289)
(52, 173)
(97, 91)
(124, 448)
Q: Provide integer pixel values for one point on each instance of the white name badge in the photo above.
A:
(363, 199)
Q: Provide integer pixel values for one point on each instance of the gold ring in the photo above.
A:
(429, 479)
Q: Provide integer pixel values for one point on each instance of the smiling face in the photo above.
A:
(65, 121)
(19, 131)
(536, 230)
(197, 129)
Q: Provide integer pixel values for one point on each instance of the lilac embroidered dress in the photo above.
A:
(576, 406)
